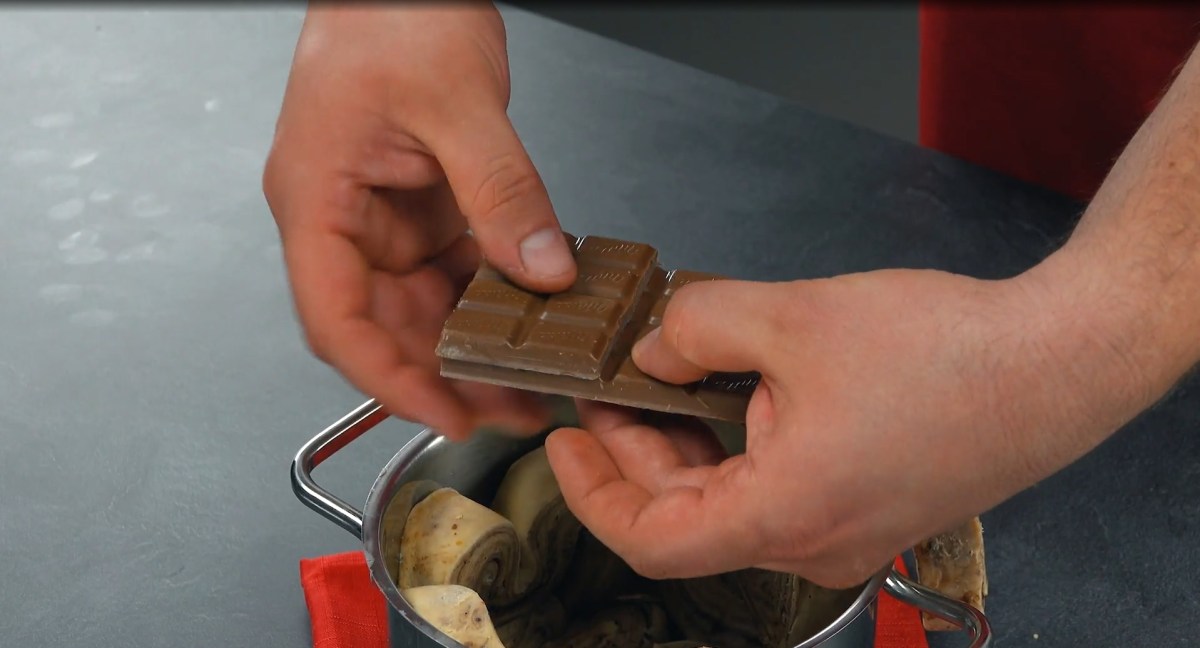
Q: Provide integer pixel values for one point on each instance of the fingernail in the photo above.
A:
(640, 347)
(544, 254)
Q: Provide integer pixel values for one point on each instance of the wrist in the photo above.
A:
(1108, 331)
(1142, 294)
(1055, 380)
(1130, 273)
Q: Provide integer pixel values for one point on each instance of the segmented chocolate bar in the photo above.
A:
(577, 342)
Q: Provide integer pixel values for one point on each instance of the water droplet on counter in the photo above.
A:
(83, 159)
(100, 196)
(66, 210)
(79, 248)
(94, 317)
(60, 293)
(59, 182)
(54, 120)
(82, 238)
(30, 157)
(149, 206)
(140, 252)
(85, 256)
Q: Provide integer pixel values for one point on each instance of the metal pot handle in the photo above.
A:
(972, 621)
(323, 446)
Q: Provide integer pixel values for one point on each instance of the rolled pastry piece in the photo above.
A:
(531, 623)
(703, 607)
(394, 518)
(692, 619)
(658, 624)
(529, 497)
(450, 539)
(772, 599)
(790, 609)
(753, 607)
(457, 611)
(953, 563)
(815, 609)
(630, 624)
(595, 575)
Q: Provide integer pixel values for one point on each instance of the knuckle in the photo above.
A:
(270, 180)
(782, 313)
(802, 301)
(274, 183)
(508, 180)
(647, 567)
(797, 543)
(779, 323)
(842, 575)
(318, 344)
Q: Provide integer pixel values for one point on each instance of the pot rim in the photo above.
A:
(427, 440)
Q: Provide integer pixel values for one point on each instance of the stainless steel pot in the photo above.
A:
(475, 469)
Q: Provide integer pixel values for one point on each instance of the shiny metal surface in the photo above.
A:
(321, 447)
(475, 468)
(972, 621)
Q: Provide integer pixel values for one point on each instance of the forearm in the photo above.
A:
(1123, 295)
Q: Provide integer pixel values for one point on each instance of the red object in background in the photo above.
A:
(347, 610)
(898, 625)
(1049, 93)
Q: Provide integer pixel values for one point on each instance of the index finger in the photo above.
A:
(726, 325)
(681, 532)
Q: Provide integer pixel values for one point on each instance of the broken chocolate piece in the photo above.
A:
(577, 343)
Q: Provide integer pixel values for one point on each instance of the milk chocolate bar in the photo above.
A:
(577, 343)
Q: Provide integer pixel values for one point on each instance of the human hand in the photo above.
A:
(392, 140)
(893, 406)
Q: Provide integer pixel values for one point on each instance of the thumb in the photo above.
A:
(503, 198)
(724, 325)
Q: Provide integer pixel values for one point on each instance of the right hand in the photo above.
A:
(894, 405)
(393, 140)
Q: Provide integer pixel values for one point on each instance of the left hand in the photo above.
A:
(392, 142)
(894, 405)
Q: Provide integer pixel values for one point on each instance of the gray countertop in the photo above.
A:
(154, 385)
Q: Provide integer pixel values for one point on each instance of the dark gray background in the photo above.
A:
(852, 60)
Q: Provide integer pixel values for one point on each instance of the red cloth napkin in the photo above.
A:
(344, 606)
(898, 625)
(348, 611)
